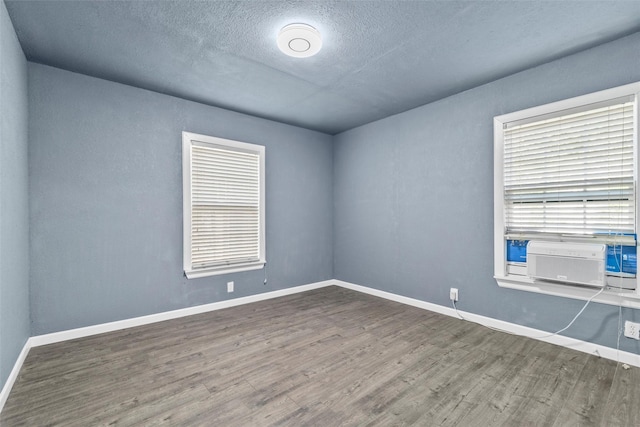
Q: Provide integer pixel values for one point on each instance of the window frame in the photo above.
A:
(188, 139)
(515, 277)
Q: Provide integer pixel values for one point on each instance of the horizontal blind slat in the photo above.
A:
(225, 194)
(573, 173)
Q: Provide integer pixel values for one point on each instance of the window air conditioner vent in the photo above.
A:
(571, 263)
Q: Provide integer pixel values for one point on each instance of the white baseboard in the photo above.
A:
(13, 375)
(38, 340)
(168, 315)
(583, 346)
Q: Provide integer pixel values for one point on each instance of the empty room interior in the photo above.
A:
(255, 213)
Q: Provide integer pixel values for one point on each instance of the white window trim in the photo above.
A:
(614, 296)
(187, 139)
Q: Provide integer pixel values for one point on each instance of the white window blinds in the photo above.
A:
(226, 206)
(571, 173)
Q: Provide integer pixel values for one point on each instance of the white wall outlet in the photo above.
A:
(453, 294)
(229, 286)
(632, 330)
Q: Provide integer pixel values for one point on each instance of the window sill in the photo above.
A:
(611, 296)
(194, 274)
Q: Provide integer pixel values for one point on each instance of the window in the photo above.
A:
(566, 171)
(223, 186)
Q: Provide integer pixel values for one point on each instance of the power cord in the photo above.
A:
(576, 316)
(543, 336)
(481, 324)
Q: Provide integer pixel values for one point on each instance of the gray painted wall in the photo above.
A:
(14, 207)
(106, 201)
(413, 196)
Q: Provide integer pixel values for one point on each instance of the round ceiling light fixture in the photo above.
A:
(299, 40)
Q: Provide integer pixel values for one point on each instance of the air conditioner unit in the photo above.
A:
(572, 263)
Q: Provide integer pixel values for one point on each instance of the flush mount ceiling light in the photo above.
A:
(299, 40)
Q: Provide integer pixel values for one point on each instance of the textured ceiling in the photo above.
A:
(379, 57)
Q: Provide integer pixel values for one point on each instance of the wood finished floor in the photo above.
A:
(328, 357)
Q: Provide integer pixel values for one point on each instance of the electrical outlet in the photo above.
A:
(229, 286)
(632, 330)
(453, 294)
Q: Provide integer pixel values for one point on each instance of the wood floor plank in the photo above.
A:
(327, 357)
(585, 401)
(622, 403)
(544, 398)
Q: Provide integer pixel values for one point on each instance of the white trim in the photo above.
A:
(189, 140)
(630, 89)
(572, 343)
(205, 272)
(13, 375)
(71, 334)
(611, 295)
(499, 249)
